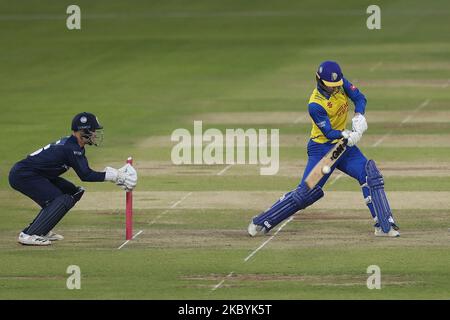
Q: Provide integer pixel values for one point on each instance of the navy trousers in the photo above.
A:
(40, 189)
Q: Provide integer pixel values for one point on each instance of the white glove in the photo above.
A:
(130, 177)
(359, 123)
(125, 176)
(352, 137)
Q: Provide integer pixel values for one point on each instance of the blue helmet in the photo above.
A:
(85, 121)
(90, 127)
(330, 73)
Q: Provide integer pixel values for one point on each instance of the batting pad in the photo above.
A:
(288, 204)
(380, 203)
(49, 216)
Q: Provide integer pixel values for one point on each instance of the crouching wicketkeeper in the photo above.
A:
(38, 177)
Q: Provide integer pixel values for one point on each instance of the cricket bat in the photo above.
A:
(326, 163)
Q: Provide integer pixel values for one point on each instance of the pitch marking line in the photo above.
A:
(445, 85)
(134, 237)
(171, 207)
(217, 286)
(268, 240)
(154, 220)
(303, 116)
(379, 141)
(406, 119)
(221, 172)
(376, 66)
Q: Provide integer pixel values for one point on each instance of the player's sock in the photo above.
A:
(50, 215)
(287, 205)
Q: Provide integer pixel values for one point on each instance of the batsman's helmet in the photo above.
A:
(89, 126)
(330, 74)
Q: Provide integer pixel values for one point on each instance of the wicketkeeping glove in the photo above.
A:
(126, 177)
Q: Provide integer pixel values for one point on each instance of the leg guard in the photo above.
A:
(288, 204)
(378, 198)
(368, 200)
(77, 195)
(50, 215)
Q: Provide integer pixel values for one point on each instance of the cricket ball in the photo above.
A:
(326, 169)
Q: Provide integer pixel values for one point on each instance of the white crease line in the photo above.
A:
(376, 66)
(379, 141)
(340, 175)
(217, 286)
(268, 240)
(221, 172)
(134, 237)
(171, 207)
(406, 119)
(179, 201)
(303, 116)
(422, 105)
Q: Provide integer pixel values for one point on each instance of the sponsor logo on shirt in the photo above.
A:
(343, 109)
(321, 124)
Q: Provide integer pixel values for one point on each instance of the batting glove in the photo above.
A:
(359, 123)
(352, 137)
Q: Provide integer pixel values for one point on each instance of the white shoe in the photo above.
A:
(254, 229)
(392, 233)
(52, 236)
(33, 240)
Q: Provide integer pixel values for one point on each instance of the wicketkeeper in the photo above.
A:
(38, 177)
(328, 107)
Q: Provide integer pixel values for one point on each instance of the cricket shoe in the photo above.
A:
(52, 236)
(33, 240)
(254, 229)
(393, 232)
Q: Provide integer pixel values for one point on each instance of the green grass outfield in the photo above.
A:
(147, 68)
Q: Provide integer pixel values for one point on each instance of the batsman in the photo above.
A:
(38, 177)
(328, 108)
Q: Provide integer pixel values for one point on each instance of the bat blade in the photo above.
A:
(329, 160)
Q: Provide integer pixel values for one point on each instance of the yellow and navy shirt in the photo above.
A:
(329, 112)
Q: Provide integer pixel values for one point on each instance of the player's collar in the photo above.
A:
(323, 92)
(75, 142)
